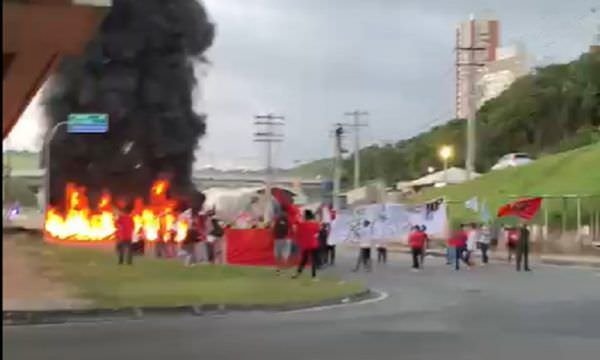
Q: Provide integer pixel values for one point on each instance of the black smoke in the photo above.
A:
(139, 69)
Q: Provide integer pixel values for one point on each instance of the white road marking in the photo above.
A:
(573, 267)
(382, 296)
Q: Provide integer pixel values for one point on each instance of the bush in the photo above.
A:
(584, 136)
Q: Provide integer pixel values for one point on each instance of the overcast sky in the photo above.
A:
(312, 60)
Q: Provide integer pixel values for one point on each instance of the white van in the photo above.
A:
(512, 160)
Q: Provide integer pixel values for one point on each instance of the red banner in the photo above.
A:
(250, 247)
(525, 209)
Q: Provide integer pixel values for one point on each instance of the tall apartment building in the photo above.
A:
(476, 44)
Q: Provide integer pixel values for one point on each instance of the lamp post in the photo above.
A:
(446, 152)
(47, 143)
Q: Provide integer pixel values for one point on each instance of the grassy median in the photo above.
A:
(94, 275)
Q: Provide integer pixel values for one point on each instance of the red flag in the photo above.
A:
(282, 198)
(294, 215)
(525, 209)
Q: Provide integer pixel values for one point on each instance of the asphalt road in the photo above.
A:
(486, 313)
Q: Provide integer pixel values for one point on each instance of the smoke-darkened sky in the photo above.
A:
(312, 60)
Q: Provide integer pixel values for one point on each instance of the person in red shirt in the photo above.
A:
(450, 249)
(416, 241)
(125, 228)
(460, 243)
(512, 238)
(307, 233)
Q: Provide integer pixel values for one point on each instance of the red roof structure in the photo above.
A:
(36, 34)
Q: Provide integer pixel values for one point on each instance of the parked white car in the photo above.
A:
(512, 160)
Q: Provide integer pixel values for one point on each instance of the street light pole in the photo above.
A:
(445, 170)
(446, 153)
(337, 162)
(47, 142)
(471, 65)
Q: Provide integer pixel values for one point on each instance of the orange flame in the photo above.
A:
(155, 222)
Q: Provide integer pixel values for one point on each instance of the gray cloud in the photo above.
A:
(314, 59)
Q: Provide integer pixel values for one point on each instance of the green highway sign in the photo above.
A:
(87, 123)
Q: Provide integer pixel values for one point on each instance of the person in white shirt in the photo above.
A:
(364, 239)
(472, 239)
(485, 238)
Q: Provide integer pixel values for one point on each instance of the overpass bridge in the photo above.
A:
(34, 180)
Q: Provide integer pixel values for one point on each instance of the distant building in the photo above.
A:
(595, 47)
(372, 192)
(474, 33)
(498, 75)
(452, 176)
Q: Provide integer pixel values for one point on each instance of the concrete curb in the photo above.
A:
(566, 262)
(24, 317)
(11, 230)
(542, 259)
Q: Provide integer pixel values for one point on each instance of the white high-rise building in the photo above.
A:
(498, 75)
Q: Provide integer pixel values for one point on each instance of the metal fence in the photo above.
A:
(570, 220)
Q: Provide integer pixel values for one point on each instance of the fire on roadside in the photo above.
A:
(79, 222)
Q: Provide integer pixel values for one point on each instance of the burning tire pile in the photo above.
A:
(158, 220)
(139, 70)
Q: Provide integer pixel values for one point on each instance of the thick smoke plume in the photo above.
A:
(139, 70)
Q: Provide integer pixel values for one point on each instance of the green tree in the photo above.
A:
(555, 108)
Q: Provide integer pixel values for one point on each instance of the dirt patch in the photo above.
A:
(24, 284)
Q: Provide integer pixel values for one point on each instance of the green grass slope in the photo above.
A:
(575, 172)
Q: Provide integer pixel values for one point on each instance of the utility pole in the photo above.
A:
(337, 164)
(356, 125)
(471, 65)
(268, 136)
(47, 158)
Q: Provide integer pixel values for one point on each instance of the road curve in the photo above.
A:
(487, 313)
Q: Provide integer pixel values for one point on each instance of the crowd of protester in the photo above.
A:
(304, 239)
(461, 246)
(470, 238)
(203, 240)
